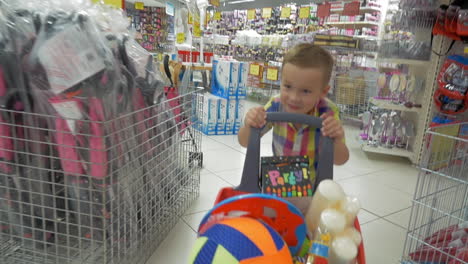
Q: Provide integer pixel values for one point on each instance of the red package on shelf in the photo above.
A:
(462, 257)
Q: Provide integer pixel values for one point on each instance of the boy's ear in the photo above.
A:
(325, 91)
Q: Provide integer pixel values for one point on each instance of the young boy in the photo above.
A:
(306, 73)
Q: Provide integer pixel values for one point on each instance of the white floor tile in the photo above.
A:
(383, 242)
(366, 217)
(232, 176)
(193, 220)
(402, 178)
(209, 144)
(210, 184)
(376, 198)
(222, 160)
(176, 247)
(401, 218)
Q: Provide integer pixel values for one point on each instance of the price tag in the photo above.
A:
(272, 74)
(352, 8)
(190, 19)
(114, 3)
(466, 50)
(251, 14)
(285, 12)
(304, 12)
(214, 2)
(196, 30)
(266, 12)
(217, 16)
(180, 38)
(207, 18)
(139, 5)
(254, 69)
(323, 10)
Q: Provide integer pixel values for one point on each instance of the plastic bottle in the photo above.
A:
(353, 234)
(343, 250)
(350, 207)
(332, 223)
(328, 195)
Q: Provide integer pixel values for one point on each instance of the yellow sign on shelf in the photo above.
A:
(214, 2)
(217, 16)
(272, 74)
(139, 5)
(466, 50)
(196, 30)
(304, 12)
(251, 14)
(254, 69)
(266, 12)
(190, 19)
(114, 3)
(285, 12)
(180, 38)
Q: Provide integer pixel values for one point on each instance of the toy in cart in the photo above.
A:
(247, 227)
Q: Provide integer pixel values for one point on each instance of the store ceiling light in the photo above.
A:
(240, 1)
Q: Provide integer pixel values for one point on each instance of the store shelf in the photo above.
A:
(405, 61)
(388, 151)
(365, 37)
(354, 24)
(198, 67)
(386, 104)
(362, 10)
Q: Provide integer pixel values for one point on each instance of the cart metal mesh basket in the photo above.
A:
(49, 215)
(438, 229)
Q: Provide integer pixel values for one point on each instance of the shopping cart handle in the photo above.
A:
(250, 181)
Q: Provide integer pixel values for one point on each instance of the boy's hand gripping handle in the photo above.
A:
(250, 175)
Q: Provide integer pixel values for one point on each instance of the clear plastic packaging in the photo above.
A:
(328, 194)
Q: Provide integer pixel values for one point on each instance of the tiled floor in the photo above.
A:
(383, 184)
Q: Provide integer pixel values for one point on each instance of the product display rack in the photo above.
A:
(420, 116)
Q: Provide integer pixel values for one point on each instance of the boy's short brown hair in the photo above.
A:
(310, 56)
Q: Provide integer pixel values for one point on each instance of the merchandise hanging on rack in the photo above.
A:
(95, 162)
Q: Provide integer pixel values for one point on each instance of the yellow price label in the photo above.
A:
(214, 2)
(266, 12)
(190, 19)
(217, 16)
(466, 50)
(285, 12)
(254, 69)
(114, 3)
(272, 74)
(251, 14)
(304, 12)
(139, 5)
(208, 18)
(180, 38)
(196, 30)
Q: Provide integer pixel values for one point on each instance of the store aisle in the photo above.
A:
(384, 185)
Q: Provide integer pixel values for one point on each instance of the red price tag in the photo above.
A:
(352, 8)
(323, 10)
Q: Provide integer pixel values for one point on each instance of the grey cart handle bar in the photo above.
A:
(250, 175)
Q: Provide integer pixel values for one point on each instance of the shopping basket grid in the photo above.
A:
(50, 215)
(441, 196)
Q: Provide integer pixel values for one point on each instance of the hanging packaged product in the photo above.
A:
(452, 95)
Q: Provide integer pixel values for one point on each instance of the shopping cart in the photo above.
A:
(251, 184)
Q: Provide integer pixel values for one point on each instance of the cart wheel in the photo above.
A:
(196, 156)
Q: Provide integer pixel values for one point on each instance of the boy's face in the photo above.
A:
(301, 88)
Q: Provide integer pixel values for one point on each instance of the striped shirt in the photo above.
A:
(291, 141)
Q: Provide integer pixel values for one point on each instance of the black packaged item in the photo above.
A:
(286, 176)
